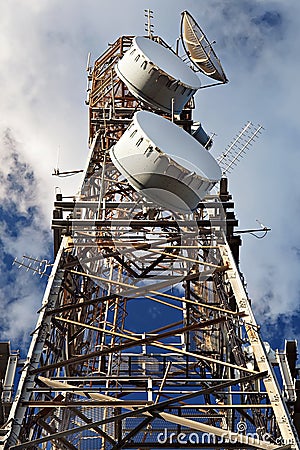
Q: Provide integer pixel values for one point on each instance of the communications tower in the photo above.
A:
(146, 337)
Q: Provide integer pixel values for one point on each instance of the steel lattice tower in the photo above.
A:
(94, 377)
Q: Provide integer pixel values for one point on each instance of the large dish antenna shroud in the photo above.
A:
(199, 49)
(157, 76)
(165, 163)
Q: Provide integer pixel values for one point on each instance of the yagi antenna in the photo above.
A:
(37, 266)
(236, 150)
(149, 27)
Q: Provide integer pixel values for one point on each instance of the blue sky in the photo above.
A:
(43, 53)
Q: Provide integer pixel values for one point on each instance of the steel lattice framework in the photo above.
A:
(99, 374)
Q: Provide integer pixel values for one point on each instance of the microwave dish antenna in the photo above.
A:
(155, 75)
(165, 163)
(199, 49)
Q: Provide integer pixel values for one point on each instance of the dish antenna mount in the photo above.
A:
(199, 49)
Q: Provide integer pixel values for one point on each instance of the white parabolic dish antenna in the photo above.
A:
(157, 76)
(199, 49)
(165, 163)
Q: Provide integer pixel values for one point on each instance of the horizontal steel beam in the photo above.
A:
(127, 344)
(126, 403)
(70, 205)
(142, 223)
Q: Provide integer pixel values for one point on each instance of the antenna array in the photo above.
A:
(37, 266)
(149, 27)
(236, 150)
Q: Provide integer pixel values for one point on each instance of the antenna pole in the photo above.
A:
(88, 62)
(177, 46)
(149, 27)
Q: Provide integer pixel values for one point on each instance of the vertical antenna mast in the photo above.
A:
(149, 27)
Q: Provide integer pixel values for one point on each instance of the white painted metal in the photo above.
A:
(157, 76)
(8, 384)
(288, 432)
(17, 412)
(288, 382)
(165, 163)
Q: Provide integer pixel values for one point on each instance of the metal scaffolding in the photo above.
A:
(99, 374)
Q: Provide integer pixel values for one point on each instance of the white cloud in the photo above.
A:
(19, 302)
(22, 231)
